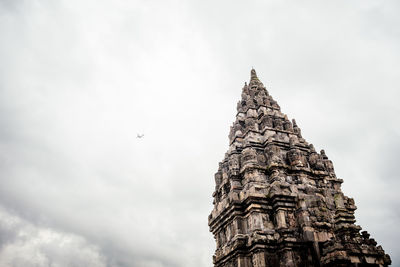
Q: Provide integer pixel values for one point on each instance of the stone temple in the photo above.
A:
(277, 202)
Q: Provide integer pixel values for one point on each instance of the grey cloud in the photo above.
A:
(28, 245)
(79, 80)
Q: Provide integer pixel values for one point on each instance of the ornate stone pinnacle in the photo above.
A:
(277, 202)
(253, 75)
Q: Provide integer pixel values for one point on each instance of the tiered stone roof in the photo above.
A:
(277, 202)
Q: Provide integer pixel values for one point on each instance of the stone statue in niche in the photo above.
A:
(261, 159)
(250, 124)
(273, 154)
(287, 126)
(275, 175)
(260, 101)
(278, 183)
(224, 169)
(295, 157)
(233, 164)
(267, 102)
(270, 121)
(252, 92)
(267, 121)
(218, 178)
(328, 163)
(239, 107)
(296, 129)
(249, 154)
(315, 160)
(278, 124)
(249, 101)
(350, 203)
(274, 104)
(237, 129)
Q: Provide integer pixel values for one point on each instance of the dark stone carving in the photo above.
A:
(250, 124)
(249, 154)
(286, 207)
(273, 154)
(315, 160)
(328, 163)
(218, 179)
(296, 129)
(233, 164)
(266, 121)
(278, 124)
(287, 126)
(294, 155)
(267, 102)
(259, 101)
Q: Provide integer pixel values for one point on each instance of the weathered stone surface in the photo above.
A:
(277, 202)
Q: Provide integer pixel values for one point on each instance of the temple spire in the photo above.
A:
(277, 202)
(253, 75)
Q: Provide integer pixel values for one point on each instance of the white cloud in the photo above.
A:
(79, 80)
(28, 245)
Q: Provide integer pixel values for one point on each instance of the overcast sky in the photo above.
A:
(80, 79)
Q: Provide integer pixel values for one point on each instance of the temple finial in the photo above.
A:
(253, 75)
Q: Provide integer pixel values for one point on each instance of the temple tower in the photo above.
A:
(277, 202)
